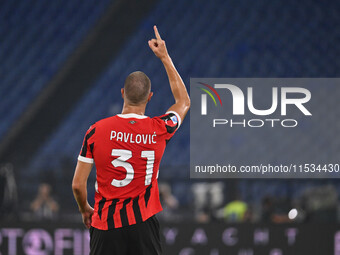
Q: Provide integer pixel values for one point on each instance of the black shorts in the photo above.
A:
(138, 239)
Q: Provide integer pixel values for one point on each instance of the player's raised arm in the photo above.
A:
(179, 91)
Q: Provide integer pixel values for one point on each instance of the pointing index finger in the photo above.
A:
(156, 33)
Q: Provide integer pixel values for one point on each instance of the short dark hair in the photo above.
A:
(137, 87)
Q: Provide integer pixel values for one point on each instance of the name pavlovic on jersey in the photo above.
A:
(127, 150)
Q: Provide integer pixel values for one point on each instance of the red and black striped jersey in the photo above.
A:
(127, 150)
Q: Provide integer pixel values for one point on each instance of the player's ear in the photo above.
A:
(150, 95)
(122, 91)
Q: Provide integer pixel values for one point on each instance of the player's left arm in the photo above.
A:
(79, 187)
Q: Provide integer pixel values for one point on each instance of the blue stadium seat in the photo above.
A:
(36, 40)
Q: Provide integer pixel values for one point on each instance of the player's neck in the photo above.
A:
(136, 109)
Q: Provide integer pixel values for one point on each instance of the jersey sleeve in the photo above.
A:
(171, 121)
(86, 152)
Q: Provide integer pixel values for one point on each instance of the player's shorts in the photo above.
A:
(137, 239)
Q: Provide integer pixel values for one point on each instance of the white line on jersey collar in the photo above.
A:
(132, 115)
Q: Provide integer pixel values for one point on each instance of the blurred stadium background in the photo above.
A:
(62, 64)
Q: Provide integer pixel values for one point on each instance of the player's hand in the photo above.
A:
(87, 215)
(158, 46)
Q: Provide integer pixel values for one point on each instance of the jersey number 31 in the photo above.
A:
(123, 156)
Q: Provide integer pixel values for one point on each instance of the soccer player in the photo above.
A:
(127, 149)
